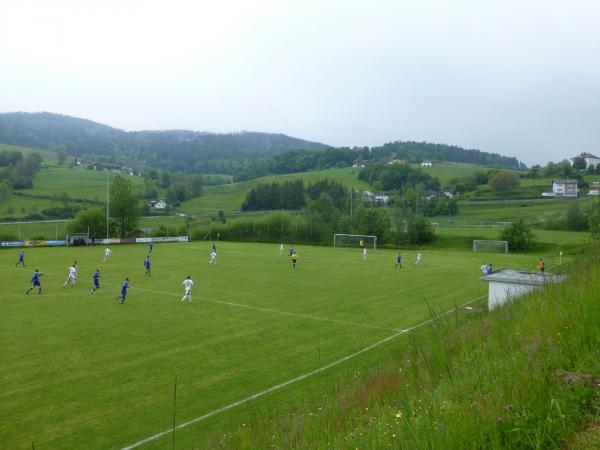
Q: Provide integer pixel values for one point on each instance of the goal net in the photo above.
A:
(353, 240)
(490, 246)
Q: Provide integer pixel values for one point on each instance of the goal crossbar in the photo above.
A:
(353, 239)
(484, 244)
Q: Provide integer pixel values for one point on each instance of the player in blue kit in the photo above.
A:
(147, 265)
(35, 282)
(124, 288)
(398, 260)
(96, 281)
(21, 258)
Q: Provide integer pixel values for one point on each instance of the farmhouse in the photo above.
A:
(506, 284)
(564, 188)
(590, 160)
(379, 198)
(160, 204)
(359, 163)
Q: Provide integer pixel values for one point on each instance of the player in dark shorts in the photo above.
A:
(124, 288)
(35, 282)
(21, 259)
(96, 281)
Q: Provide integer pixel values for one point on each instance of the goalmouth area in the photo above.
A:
(83, 371)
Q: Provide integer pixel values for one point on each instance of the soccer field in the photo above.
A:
(83, 371)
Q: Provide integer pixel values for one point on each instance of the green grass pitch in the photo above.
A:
(82, 371)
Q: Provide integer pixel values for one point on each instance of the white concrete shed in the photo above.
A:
(506, 284)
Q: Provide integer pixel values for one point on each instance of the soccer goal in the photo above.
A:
(353, 240)
(490, 246)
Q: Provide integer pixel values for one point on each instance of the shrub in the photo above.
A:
(518, 234)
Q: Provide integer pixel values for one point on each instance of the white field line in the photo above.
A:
(292, 381)
(276, 311)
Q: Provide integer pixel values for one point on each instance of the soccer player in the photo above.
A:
(542, 265)
(419, 260)
(72, 277)
(292, 249)
(107, 253)
(280, 249)
(147, 265)
(484, 269)
(124, 288)
(187, 284)
(35, 282)
(96, 281)
(364, 253)
(489, 269)
(398, 260)
(21, 258)
(151, 245)
(213, 257)
(294, 258)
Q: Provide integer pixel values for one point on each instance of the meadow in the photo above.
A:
(229, 197)
(77, 182)
(83, 371)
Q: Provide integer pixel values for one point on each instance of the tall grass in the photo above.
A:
(521, 377)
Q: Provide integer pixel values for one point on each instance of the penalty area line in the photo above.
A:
(156, 436)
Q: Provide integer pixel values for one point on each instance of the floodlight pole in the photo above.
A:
(107, 201)
(351, 192)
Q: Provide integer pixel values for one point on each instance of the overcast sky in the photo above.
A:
(517, 77)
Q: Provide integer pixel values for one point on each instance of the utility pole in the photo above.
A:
(351, 192)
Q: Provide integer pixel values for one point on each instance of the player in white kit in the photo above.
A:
(213, 257)
(419, 260)
(72, 277)
(107, 254)
(187, 283)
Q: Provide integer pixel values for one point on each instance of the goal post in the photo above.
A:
(353, 240)
(489, 246)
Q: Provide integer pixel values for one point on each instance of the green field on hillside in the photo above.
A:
(445, 171)
(507, 211)
(17, 206)
(48, 157)
(83, 371)
(229, 197)
(76, 182)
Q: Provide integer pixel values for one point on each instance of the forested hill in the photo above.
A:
(174, 150)
(245, 155)
(417, 151)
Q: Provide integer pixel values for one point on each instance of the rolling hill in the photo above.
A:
(172, 149)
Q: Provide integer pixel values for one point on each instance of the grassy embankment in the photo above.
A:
(526, 376)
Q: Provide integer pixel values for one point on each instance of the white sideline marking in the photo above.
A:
(275, 311)
(292, 381)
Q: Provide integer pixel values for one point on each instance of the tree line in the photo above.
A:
(17, 171)
(293, 195)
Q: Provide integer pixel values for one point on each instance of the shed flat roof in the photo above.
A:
(524, 277)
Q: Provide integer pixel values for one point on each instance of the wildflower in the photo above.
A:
(399, 415)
